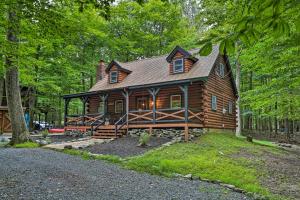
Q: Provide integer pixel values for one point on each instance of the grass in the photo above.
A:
(211, 157)
(27, 145)
(87, 156)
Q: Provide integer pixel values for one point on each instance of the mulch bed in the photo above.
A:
(126, 146)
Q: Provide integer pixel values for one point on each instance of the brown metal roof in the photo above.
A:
(156, 70)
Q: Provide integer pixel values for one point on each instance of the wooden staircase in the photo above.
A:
(108, 132)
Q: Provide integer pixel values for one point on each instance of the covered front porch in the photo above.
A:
(156, 106)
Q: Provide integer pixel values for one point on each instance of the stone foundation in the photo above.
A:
(172, 133)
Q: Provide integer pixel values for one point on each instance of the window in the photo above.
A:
(101, 107)
(142, 103)
(221, 70)
(176, 101)
(113, 77)
(230, 106)
(178, 66)
(213, 102)
(119, 106)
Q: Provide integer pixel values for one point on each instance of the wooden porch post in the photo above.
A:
(126, 95)
(154, 92)
(104, 100)
(186, 111)
(84, 100)
(186, 102)
(67, 101)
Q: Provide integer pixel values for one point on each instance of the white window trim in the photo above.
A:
(182, 69)
(216, 103)
(117, 101)
(222, 69)
(110, 77)
(175, 95)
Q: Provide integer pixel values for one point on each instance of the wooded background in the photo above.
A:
(60, 43)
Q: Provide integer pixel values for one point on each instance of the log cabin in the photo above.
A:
(179, 90)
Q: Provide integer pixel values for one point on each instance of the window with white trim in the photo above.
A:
(221, 70)
(175, 101)
(113, 77)
(178, 65)
(213, 103)
(230, 107)
(119, 106)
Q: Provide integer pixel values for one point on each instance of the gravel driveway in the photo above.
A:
(46, 174)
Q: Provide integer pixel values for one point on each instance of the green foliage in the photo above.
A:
(144, 139)
(45, 133)
(208, 158)
(27, 145)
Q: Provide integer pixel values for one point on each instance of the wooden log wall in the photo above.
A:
(163, 99)
(222, 88)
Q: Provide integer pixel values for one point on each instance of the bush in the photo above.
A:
(45, 133)
(144, 139)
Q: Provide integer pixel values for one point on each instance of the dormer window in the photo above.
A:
(178, 66)
(113, 77)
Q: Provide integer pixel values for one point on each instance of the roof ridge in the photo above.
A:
(166, 54)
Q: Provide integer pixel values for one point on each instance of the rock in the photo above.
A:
(228, 186)
(68, 147)
(43, 142)
(178, 175)
(188, 176)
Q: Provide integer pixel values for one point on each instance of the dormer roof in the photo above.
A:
(115, 63)
(185, 53)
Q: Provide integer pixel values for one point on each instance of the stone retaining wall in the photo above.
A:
(171, 133)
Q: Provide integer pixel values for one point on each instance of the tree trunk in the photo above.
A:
(15, 110)
(238, 111)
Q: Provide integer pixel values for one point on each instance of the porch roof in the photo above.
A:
(155, 70)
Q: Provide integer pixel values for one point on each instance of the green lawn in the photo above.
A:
(214, 156)
(211, 157)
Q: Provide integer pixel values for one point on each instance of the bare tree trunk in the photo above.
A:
(1, 90)
(238, 111)
(15, 110)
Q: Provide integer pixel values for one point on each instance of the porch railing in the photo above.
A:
(164, 116)
(98, 121)
(120, 123)
(83, 120)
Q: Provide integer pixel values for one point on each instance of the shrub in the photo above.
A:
(144, 139)
(45, 133)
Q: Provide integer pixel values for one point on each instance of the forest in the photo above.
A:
(53, 47)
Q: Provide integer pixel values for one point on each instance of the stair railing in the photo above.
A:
(98, 122)
(120, 123)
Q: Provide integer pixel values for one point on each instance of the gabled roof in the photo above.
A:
(112, 63)
(155, 70)
(185, 53)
